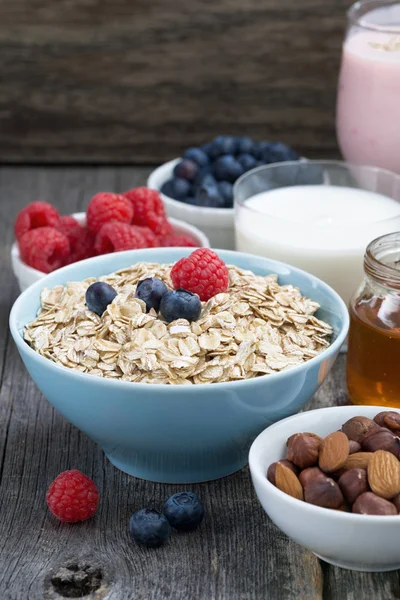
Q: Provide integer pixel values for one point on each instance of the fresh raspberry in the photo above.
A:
(83, 247)
(151, 239)
(149, 210)
(72, 497)
(202, 273)
(105, 208)
(144, 201)
(177, 240)
(70, 227)
(114, 237)
(36, 214)
(44, 248)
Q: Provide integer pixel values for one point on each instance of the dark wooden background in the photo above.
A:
(135, 81)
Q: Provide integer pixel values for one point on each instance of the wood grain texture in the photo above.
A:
(134, 81)
(237, 554)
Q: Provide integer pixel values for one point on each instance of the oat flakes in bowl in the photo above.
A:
(257, 327)
(178, 433)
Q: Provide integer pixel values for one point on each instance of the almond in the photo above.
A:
(334, 451)
(358, 460)
(288, 482)
(384, 474)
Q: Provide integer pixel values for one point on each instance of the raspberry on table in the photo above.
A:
(44, 248)
(177, 240)
(106, 207)
(36, 214)
(202, 273)
(70, 227)
(115, 237)
(72, 497)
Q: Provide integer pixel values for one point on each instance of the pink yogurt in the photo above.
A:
(368, 109)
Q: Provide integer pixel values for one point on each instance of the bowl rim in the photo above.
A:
(41, 283)
(189, 207)
(256, 470)
(80, 216)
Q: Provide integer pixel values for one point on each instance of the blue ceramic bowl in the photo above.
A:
(177, 434)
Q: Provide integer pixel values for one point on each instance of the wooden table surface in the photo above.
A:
(237, 554)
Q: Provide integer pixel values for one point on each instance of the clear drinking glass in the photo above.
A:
(316, 215)
(368, 101)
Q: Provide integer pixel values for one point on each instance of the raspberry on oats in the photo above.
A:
(105, 208)
(36, 214)
(44, 248)
(202, 273)
(115, 237)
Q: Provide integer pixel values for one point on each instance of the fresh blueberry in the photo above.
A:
(277, 152)
(186, 169)
(204, 172)
(180, 304)
(207, 148)
(226, 192)
(244, 145)
(176, 188)
(247, 161)
(227, 168)
(149, 527)
(189, 200)
(223, 144)
(197, 155)
(151, 290)
(207, 194)
(184, 511)
(98, 296)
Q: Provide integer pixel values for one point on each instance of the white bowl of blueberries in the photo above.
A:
(198, 188)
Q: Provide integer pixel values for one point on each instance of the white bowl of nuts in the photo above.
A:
(335, 489)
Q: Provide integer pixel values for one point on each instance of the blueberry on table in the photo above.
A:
(186, 169)
(247, 161)
(197, 155)
(227, 168)
(151, 290)
(149, 527)
(184, 511)
(244, 145)
(98, 296)
(223, 144)
(180, 304)
(225, 189)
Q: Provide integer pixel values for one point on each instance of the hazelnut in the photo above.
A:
(309, 475)
(371, 504)
(345, 507)
(396, 501)
(357, 428)
(303, 449)
(382, 439)
(392, 420)
(353, 483)
(380, 418)
(272, 469)
(323, 491)
(354, 447)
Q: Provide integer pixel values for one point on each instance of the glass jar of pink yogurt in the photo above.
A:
(368, 104)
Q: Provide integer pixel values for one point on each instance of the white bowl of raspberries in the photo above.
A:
(198, 188)
(46, 241)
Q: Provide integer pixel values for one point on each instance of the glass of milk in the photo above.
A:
(316, 215)
(368, 102)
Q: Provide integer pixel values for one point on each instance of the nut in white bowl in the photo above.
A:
(217, 223)
(347, 540)
(26, 275)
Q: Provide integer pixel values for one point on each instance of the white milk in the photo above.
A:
(319, 228)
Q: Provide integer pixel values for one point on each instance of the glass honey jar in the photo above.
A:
(373, 358)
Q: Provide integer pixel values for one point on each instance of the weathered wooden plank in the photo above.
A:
(114, 82)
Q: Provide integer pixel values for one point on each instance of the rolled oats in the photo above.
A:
(257, 328)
